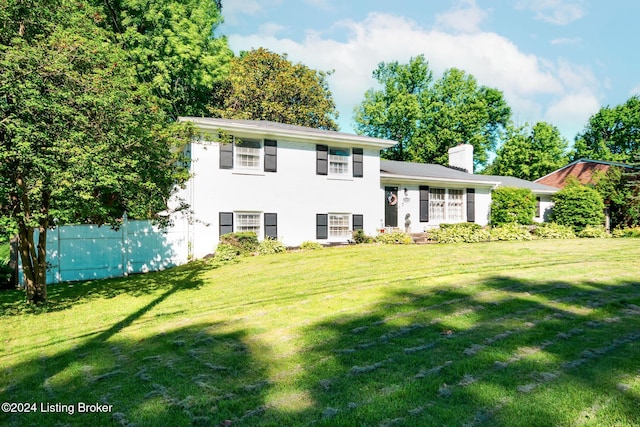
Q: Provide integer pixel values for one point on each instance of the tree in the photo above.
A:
(428, 117)
(613, 134)
(512, 205)
(80, 138)
(172, 44)
(620, 190)
(578, 206)
(263, 85)
(530, 153)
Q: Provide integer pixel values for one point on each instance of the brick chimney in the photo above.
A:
(461, 157)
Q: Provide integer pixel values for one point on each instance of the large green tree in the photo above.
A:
(264, 85)
(427, 116)
(530, 152)
(612, 134)
(80, 138)
(173, 47)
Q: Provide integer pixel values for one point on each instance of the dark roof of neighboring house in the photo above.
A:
(439, 173)
(267, 128)
(582, 169)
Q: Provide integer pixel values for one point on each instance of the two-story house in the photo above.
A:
(296, 184)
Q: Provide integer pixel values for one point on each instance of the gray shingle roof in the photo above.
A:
(428, 171)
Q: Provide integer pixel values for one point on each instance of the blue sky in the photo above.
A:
(554, 60)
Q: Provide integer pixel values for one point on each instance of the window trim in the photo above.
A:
(346, 227)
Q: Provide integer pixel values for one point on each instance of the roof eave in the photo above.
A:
(411, 178)
(255, 130)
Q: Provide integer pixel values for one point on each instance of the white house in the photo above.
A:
(297, 184)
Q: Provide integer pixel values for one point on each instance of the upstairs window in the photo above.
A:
(248, 154)
(339, 161)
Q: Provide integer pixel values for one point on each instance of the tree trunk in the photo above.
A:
(34, 264)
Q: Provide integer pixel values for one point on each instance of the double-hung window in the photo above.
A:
(437, 205)
(339, 226)
(339, 161)
(248, 221)
(248, 154)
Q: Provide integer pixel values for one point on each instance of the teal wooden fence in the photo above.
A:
(83, 252)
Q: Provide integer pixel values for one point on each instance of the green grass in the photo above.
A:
(507, 333)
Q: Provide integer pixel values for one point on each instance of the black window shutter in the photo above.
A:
(424, 203)
(226, 155)
(357, 163)
(322, 159)
(537, 207)
(271, 225)
(270, 155)
(226, 222)
(322, 226)
(358, 222)
(471, 205)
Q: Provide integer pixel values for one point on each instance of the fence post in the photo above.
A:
(125, 247)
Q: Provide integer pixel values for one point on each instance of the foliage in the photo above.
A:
(613, 134)
(593, 231)
(464, 232)
(173, 46)
(428, 117)
(263, 85)
(511, 231)
(81, 140)
(551, 230)
(530, 153)
(246, 242)
(578, 206)
(627, 232)
(359, 236)
(309, 245)
(226, 252)
(512, 205)
(271, 246)
(394, 238)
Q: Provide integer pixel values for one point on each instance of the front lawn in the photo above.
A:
(505, 333)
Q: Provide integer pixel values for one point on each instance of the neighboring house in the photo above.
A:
(296, 184)
(586, 171)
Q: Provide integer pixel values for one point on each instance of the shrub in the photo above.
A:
(310, 246)
(271, 246)
(591, 231)
(578, 206)
(551, 230)
(394, 238)
(459, 233)
(246, 242)
(226, 252)
(360, 237)
(626, 232)
(512, 205)
(511, 231)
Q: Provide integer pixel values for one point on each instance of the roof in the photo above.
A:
(409, 171)
(582, 169)
(265, 128)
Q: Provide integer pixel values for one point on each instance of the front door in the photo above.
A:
(390, 206)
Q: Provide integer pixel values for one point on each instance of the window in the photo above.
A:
(339, 225)
(455, 205)
(446, 205)
(248, 154)
(248, 221)
(339, 161)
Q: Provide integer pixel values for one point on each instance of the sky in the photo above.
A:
(557, 61)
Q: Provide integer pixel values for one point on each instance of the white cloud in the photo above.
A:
(566, 41)
(465, 17)
(559, 12)
(573, 111)
(325, 5)
(232, 10)
(635, 91)
(526, 80)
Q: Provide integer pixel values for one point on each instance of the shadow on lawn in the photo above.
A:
(201, 374)
(453, 358)
(65, 295)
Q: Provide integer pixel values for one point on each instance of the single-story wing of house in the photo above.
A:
(301, 184)
(586, 171)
